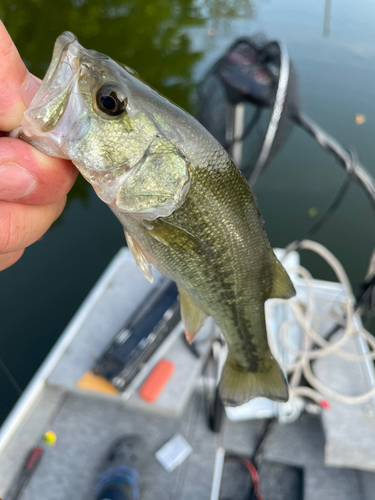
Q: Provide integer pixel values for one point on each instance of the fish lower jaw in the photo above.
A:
(105, 186)
(47, 143)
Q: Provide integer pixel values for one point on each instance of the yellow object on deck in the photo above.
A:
(93, 382)
(50, 438)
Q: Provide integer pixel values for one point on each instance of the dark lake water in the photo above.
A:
(172, 43)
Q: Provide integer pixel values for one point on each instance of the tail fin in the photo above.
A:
(238, 386)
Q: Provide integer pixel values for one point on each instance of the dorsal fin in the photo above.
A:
(282, 287)
(192, 314)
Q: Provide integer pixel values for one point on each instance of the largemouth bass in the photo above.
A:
(184, 205)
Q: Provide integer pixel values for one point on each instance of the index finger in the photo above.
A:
(16, 83)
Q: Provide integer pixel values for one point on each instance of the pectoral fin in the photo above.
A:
(172, 236)
(139, 257)
(282, 287)
(192, 314)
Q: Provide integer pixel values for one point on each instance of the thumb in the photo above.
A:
(17, 85)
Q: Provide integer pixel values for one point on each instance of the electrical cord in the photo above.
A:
(331, 209)
(330, 144)
(268, 425)
(252, 470)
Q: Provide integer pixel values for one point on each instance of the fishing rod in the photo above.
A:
(3, 367)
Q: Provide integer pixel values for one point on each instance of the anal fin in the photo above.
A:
(192, 314)
(238, 386)
(139, 257)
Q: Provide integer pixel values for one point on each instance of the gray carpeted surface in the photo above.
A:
(301, 444)
(86, 427)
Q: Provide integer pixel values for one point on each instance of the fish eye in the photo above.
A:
(111, 99)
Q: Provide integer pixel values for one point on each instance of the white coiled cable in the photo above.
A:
(303, 314)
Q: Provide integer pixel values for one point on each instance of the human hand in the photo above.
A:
(33, 186)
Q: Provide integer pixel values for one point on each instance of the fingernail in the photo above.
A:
(15, 182)
(29, 88)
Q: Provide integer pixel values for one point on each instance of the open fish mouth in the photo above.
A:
(66, 47)
(57, 106)
(47, 105)
(67, 58)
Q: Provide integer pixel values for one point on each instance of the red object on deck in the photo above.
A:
(324, 404)
(26, 472)
(34, 457)
(157, 380)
